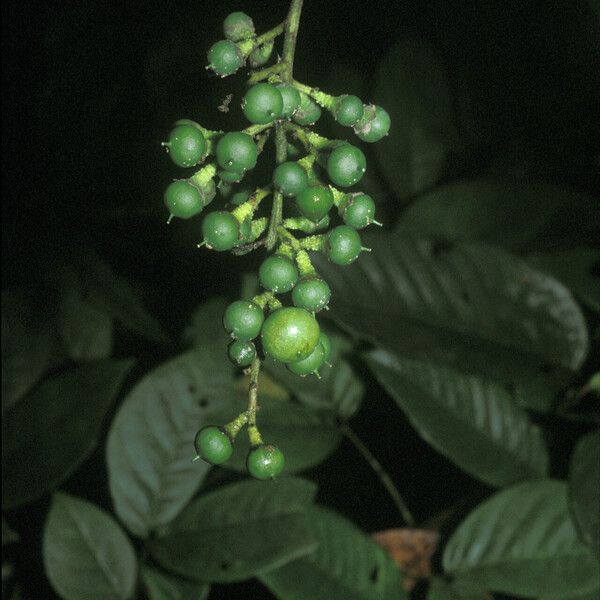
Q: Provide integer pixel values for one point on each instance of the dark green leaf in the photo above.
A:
(584, 488)
(575, 269)
(469, 419)
(439, 589)
(339, 391)
(234, 532)
(470, 306)
(86, 332)
(593, 595)
(206, 325)
(412, 87)
(113, 295)
(86, 554)
(150, 445)
(305, 437)
(50, 433)
(522, 541)
(166, 586)
(27, 343)
(347, 565)
(517, 216)
(9, 535)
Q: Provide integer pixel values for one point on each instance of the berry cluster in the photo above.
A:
(311, 178)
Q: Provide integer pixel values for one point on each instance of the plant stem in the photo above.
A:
(289, 46)
(253, 433)
(385, 479)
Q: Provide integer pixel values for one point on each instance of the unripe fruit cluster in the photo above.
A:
(311, 178)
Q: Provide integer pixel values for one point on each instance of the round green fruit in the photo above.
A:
(238, 26)
(343, 245)
(186, 145)
(290, 178)
(374, 126)
(290, 334)
(262, 104)
(265, 462)
(348, 110)
(308, 113)
(315, 202)
(261, 54)
(278, 274)
(241, 353)
(213, 445)
(311, 364)
(312, 293)
(243, 320)
(240, 197)
(183, 199)
(221, 231)
(224, 58)
(237, 152)
(230, 176)
(291, 99)
(346, 165)
(358, 211)
(325, 343)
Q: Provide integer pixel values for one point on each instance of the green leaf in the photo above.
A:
(439, 589)
(113, 295)
(575, 269)
(522, 541)
(470, 420)
(27, 343)
(86, 553)
(305, 437)
(339, 391)
(238, 530)
(470, 306)
(166, 586)
(150, 445)
(516, 216)
(584, 488)
(206, 325)
(347, 565)
(86, 332)
(593, 595)
(51, 432)
(411, 85)
(9, 535)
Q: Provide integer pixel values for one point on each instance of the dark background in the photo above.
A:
(90, 89)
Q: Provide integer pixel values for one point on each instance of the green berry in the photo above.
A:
(309, 111)
(213, 445)
(358, 211)
(240, 197)
(346, 165)
(260, 55)
(291, 99)
(243, 320)
(245, 231)
(186, 145)
(183, 199)
(374, 126)
(224, 58)
(325, 343)
(311, 293)
(241, 353)
(290, 178)
(265, 462)
(278, 274)
(348, 110)
(237, 152)
(238, 26)
(230, 176)
(225, 188)
(311, 364)
(221, 230)
(293, 151)
(289, 334)
(343, 245)
(262, 104)
(315, 202)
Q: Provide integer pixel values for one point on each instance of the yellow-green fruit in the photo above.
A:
(290, 334)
